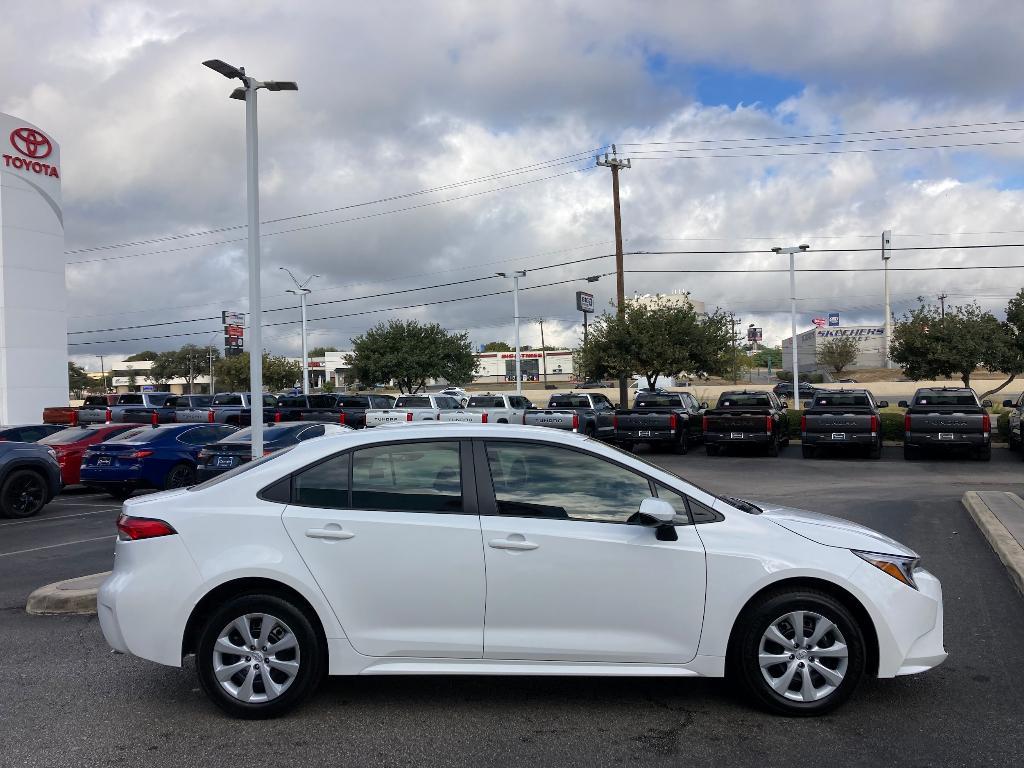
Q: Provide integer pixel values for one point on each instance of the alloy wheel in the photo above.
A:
(256, 658)
(25, 496)
(803, 656)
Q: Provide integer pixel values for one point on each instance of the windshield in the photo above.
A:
(946, 398)
(66, 436)
(744, 400)
(270, 434)
(855, 399)
(569, 401)
(656, 401)
(129, 437)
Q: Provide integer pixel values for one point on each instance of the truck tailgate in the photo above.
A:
(737, 422)
(553, 419)
(948, 423)
(645, 421)
(846, 423)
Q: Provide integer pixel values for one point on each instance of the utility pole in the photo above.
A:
(302, 292)
(191, 372)
(886, 255)
(791, 250)
(616, 164)
(942, 303)
(735, 352)
(515, 310)
(210, 351)
(543, 352)
(103, 375)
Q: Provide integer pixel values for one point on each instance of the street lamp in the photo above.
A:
(248, 94)
(302, 292)
(515, 308)
(792, 313)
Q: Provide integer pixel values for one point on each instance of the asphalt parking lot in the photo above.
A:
(65, 700)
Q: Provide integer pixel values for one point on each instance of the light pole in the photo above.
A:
(515, 308)
(248, 95)
(302, 292)
(886, 255)
(791, 250)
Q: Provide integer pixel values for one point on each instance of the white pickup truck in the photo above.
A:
(412, 408)
(491, 409)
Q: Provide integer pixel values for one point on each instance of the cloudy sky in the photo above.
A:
(439, 142)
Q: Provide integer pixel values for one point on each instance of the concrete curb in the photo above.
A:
(1001, 540)
(74, 596)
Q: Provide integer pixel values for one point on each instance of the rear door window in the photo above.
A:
(129, 400)
(408, 477)
(227, 399)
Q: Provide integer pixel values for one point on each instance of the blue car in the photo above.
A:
(149, 457)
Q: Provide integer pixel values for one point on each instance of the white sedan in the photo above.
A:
(453, 549)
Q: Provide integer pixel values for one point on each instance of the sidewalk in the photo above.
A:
(1000, 516)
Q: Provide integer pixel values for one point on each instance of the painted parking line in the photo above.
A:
(53, 546)
(59, 517)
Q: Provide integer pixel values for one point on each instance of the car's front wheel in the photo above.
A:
(798, 653)
(23, 494)
(258, 656)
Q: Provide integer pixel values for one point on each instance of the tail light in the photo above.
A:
(615, 421)
(154, 419)
(986, 423)
(768, 424)
(138, 454)
(136, 528)
(268, 451)
(408, 415)
(277, 417)
(203, 454)
(906, 423)
(108, 416)
(673, 420)
(704, 424)
(483, 418)
(575, 422)
(209, 416)
(341, 417)
(74, 418)
(803, 425)
(874, 424)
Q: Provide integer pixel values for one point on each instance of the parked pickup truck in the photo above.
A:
(672, 419)
(491, 409)
(349, 410)
(1016, 419)
(102, 414)
(842, 417)
(229, 408)
(412, 408)
(746, 418)
(168, 412)
(948, 418)
(293, 406)
(589, 414)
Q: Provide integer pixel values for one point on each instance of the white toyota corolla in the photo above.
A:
(469, 549)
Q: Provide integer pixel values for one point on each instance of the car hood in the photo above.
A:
(833, 531)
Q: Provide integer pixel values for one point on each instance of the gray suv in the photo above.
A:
(29, 478)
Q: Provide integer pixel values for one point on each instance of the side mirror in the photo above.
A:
(903, 404)
(785, 403)
(808, 403)
(658, 514)
(882, 403)
(704, 405)
(1007, 403)
(986, 403)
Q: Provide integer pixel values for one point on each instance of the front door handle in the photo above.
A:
(333, 534)
(519, 545)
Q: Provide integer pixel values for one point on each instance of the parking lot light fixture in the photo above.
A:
(791, 250)
(515, 309)
(248, 93)
(302, 292)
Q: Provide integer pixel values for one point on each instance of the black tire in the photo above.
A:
(773, 447)
(807, 451)
(746, 647)
(875, 451)
(120, 493)
(628, 447)
(310, 656)
(180, 476)
(910, 452)
(680, 447)
(23, 494)
(983, 454)
(711, 450)
(589, 430)
(1013, 443)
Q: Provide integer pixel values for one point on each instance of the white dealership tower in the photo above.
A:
(33, 294)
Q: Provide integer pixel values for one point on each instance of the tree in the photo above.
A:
(410, 352)
(278, 372)
(78, 379)
(928, 345)
(321, 351)
(187, 363)
(659, 338)
(838, 353)
(497, 346)
(140, 356)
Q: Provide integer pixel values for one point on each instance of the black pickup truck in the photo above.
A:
(746, 418)
(949, 418)
(291, 407)
(168, 412)
(349, 410)
(839, 417)
(671, 419)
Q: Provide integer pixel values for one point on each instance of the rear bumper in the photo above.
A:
(646, 436)
(862, 439)
(113, 477)
(931, 440)
(746, 438)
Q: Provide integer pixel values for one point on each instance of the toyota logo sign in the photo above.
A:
(31, 143)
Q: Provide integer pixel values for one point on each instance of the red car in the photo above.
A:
(71, 443)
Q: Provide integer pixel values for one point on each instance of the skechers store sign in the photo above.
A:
(857, 333)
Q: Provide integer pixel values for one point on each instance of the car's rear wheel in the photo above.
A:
(875, 451)
(681, 446)
(798, 653)
(258, 656)
(711, 450)
(911, 452)
(24, 493)
(121, 492)
(807, 451)
(180, 476)
(983, 454)
(773, 446)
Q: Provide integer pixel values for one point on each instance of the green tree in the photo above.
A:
(321, 351)
(78, 379)
(659, 338)
(927, 345)
(838, 353)
(497, 346)
(409, 352)
(140, 356)
(189, 362)
(278, 372)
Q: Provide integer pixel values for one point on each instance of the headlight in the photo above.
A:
(900, 568)
(52, 453)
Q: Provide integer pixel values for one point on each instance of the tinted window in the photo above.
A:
(317, 430)
(420, 477)
(360, 402)
(73, 435)
(533, 480)
(324, 484)
(269, 401)
(569, 401)
(946, 398)
(159, 399)
(744, 400)
(656, 401)
(137, 435)
(701, 513)
(129, 400)
(835, 399)
(100, 400)
(412, 402)
(383, 401)
(322, 401)
(204, 435)
(292, 402)
(194, 401)
(486, 402)
(227, 399)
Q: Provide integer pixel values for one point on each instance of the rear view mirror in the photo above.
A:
(883, 403)
(1007, 403)
(986, 403)
(903, 404)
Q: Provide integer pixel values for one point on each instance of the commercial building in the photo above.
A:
(499, 367)
(870, 341)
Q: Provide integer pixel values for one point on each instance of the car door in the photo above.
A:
(568, 578)
(391, 534)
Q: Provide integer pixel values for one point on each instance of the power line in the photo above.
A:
(829, 151)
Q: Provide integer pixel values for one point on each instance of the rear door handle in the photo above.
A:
(334, 534)
(519, 545)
